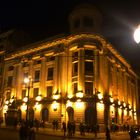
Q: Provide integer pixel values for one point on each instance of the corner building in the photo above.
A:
(80, 77)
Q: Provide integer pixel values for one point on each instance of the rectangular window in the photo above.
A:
(89, 55)
(49, 91)
(75, 69)
(88, 68)
(74, 56)
(89, 88)
(50, 74)
(75, 89)
(37, 76)
(36, 91)
(23, 93)
(10, 80)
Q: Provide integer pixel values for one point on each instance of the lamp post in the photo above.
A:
(27, 82)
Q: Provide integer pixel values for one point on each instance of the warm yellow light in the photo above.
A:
(125, 112)
(7, 102)
(11, 100)
(26, 80)
(5, 108)
(70, 96)
(111, 100)
(100, 106)
(79, 94)
(79, 104)
(24, 107)
(38, 98)
(55, 105)
(124, 104)
(135, 114)
(25, 99)
(38, 106)
(100, 96)
(137, 34)
(119, 102)
(56, 97)
(129, 106)
(69, 104)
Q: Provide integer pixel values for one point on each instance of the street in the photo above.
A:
(6, 134)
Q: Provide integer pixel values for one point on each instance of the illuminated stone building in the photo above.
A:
(80, 77)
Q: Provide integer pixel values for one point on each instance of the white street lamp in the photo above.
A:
(137, 34)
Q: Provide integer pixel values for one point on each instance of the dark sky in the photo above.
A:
(49, 17)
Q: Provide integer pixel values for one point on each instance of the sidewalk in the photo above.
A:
(59, 133)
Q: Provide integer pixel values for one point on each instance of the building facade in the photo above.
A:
(80, 77)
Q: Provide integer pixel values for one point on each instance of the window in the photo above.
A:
(23, 93)
(89, 55)
(75, 89)
(88, 68)
(11, 68)
(88, 22)
(50, 74)
(88, 88)
(74, 56)
(49, 91)
(10, 80)
(77, 23)
(37, 76)
(36, 91)
(75, 69)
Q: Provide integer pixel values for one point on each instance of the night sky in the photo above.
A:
(50, 17)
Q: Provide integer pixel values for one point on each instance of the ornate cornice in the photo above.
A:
(59, 45)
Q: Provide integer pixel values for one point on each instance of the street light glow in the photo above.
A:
(137, 35)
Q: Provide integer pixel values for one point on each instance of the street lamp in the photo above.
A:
(27, 82)
(137, 34)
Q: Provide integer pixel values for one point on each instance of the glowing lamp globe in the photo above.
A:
(137, 35)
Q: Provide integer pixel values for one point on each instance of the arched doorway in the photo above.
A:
(45, 114)
(70, 112)
(31, 114)
(90, 116)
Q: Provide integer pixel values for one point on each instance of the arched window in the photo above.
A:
(45, 114)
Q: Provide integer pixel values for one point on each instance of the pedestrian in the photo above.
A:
(31, 133)
(107, 134)
(64, 128)
(23, 132)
